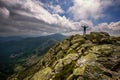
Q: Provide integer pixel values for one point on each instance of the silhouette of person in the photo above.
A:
(84, 30)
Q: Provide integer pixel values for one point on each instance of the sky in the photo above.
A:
(45, 17)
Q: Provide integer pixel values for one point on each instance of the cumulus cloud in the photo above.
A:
(30, 8)
(56, 9)
(4, 12)
(86, 9)
(42, 20)
(113, 28)
(29, 17)
(77, 25)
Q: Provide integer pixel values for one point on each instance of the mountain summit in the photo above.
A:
(93, 57)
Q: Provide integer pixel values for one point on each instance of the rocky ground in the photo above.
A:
(93, 57)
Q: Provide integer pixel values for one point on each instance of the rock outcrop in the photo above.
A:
(93, 57)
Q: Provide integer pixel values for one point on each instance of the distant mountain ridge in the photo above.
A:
(10, 38)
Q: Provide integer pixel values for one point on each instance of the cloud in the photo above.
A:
(77, 25)
(30, 8)
(30, 17)
(113, 28)
(55, 9)
(88, 9)
(4, 12)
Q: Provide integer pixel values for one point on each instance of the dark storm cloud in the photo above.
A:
(22, 24)
(25, 25)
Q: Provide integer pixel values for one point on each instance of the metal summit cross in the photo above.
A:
(84, 29)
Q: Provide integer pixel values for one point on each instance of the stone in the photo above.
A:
(59, 66)
(81, 40)
(80, 70)
(75, 45)
(69, 58)
(44, 74)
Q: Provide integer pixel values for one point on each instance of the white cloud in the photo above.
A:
(56, 9)
(77, 25)
(53, 22)
(4, 12)
(31, 8)
(101, 27)
(85, 9)
(113, 28)
(37, 11)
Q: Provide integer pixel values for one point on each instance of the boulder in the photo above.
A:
(44, 74)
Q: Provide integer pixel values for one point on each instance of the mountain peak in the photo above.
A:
(91, 57)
